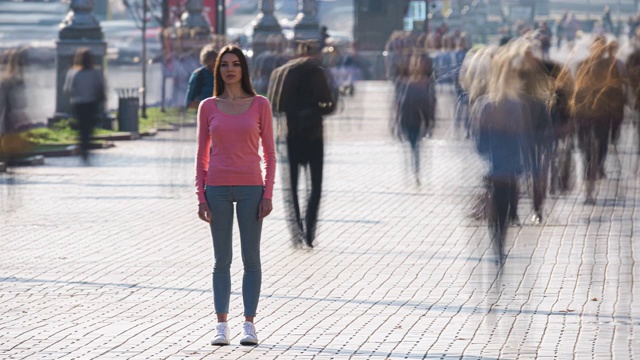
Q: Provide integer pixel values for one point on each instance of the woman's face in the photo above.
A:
(230, 68)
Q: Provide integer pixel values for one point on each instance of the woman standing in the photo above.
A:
(85, 87)
(231, 124)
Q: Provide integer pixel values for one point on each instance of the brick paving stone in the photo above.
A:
(110, 261)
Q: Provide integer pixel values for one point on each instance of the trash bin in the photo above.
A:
(128, 105)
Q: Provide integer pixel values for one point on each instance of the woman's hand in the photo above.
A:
(265, 208)
(204, 213)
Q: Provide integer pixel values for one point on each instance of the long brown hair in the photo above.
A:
(598, 90)
(245, 81)
(83, 59)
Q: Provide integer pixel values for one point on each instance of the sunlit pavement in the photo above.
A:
(111, 260)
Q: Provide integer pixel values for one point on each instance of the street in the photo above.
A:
(111, 260)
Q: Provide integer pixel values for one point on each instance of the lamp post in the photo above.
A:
(426, 17)
(221, 18)
(143, 90)
(266, 25)
(141, 23)
(165, 24)
(307, 26)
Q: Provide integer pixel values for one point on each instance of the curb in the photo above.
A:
(184, 124)
(150, 132)
(31, 160)
(119, 136)
(101, 145)
(167, 128)
(68, 150)
(63, 151)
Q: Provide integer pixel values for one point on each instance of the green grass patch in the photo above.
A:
(61, 133)
(156, 118)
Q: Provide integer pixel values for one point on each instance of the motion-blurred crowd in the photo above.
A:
(523, 111)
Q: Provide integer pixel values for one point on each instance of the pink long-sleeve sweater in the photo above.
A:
(228, 147)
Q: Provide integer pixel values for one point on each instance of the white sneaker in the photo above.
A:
(249, 336)
(222, 334)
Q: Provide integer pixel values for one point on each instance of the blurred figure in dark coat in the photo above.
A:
(537, 94)
(563, 125)
(301, 90)
(85, 87)
(501, 129)
(416, 107)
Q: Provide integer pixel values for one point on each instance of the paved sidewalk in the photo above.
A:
(111, 261)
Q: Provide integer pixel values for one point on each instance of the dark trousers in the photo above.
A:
(594, 143)
(504, 193)
(539, 174)
(413, 136)
(306, 153)
(86, 115)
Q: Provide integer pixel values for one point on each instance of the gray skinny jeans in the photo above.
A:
(220, 200)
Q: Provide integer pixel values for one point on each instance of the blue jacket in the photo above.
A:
(199, 89)
(501, 135)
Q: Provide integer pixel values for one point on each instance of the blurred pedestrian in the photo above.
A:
(632, 23)
(500, 129)
(561, 29)
(85, 86)
(202, 79)
(361, 62)
(231, 126)
(536, 94)
(13, 105)
(633, 71)
(416, 107)
(544, 37)
(461, 112)
(324, 35)
(267, 61)
(607, 21)
(597, 103)
(621, 78)
(301, 90)
(571, 27)
(561, 155)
